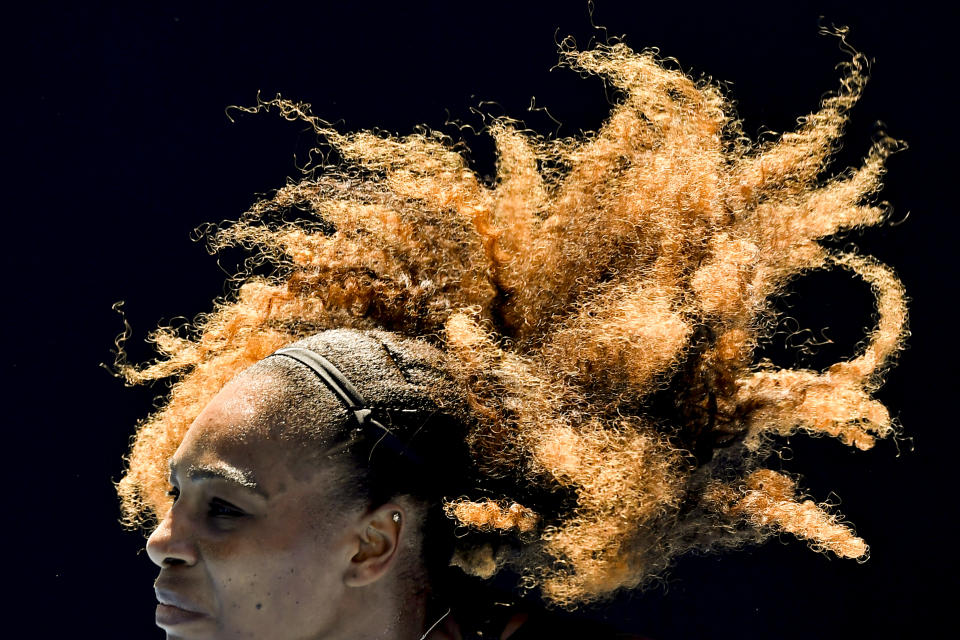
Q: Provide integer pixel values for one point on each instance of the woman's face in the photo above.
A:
(253, 547)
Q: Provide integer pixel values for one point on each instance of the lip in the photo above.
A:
(173, 609)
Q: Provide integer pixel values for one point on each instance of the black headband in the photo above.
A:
(341, 387)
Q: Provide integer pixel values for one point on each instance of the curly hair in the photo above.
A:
(599, 303)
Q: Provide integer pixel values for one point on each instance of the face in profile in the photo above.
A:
(255, 546)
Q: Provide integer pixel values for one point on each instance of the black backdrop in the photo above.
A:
(118, 147)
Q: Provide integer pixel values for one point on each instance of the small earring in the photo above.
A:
(396, 516)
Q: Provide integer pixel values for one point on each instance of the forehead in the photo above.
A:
(249, 406)
(257, 422)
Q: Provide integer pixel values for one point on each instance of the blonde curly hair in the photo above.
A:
(600, 304)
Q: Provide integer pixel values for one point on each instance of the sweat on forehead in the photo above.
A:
(284, 400)
(279, 398)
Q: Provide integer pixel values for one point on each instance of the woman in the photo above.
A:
(552, 377)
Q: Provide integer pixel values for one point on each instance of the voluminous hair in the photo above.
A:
(600, 305)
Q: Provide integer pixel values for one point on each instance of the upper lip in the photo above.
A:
(174, 599)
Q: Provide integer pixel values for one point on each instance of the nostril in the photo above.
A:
(172, 562)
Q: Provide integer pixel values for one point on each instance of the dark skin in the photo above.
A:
(254, 548)
(259, 545)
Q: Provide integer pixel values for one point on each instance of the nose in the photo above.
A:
(172, 543)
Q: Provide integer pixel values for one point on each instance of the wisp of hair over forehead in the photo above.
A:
(599, 305)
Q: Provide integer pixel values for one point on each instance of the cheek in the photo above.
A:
(287, 577)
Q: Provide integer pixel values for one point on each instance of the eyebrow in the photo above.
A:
(225, 472)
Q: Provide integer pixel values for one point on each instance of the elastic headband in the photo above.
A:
(351, 398)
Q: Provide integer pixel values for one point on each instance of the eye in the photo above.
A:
(222, 509)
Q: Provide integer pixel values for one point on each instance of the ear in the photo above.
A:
(377, 541)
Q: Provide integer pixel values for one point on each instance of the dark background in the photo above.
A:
(117, 146)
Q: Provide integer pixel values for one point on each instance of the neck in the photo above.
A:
(383, 614)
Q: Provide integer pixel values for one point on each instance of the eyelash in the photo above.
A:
(218, 508)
